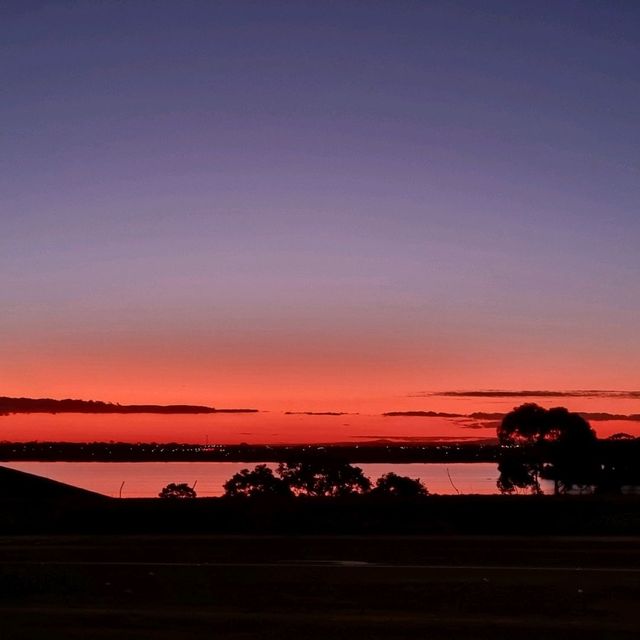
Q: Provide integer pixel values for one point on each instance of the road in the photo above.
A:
(240, 587)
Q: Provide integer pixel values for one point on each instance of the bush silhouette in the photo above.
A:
(324, 477)
(177, 491)
(259, 482)
(393, 485)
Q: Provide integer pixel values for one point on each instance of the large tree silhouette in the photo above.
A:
(555, 443)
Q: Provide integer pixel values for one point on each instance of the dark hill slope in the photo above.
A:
(17, 487)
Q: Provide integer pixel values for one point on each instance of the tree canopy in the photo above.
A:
(556, 444)
(178, 490)
(261, 481)
(318, 478)
(532, 424)
(393, 485)
(324, 478)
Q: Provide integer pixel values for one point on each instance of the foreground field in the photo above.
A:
(240, 587)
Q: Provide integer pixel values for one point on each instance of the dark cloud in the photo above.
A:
(423, 414)
(631, 417)
(480, 425)
(318, 413)
(493, 419)
(527, 393)
(68, 405)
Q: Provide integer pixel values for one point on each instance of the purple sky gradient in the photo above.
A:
(430, 194)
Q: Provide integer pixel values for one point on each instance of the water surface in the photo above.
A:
(146, 479)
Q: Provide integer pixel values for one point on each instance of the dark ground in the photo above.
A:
(239, 587)
(77, 565)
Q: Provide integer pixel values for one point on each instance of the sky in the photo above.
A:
(318, 205)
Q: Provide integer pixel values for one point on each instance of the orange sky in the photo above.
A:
(270, 373)
(318, 208)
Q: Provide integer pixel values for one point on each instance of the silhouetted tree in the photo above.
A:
(525, 425)
(392, 484)
(573, 456)
(261, 481)
(324, 478)
(553, 443)
(180, 490)
(517, 474)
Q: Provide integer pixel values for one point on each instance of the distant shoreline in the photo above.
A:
(381, 451)
(372, 452)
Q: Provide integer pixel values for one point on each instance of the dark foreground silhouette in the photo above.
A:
(317, 587)
(74, 564)
(29, 504)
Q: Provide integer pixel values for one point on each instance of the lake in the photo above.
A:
(146, 479)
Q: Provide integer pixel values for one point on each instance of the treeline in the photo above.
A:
(48, 405)
(319, 477)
